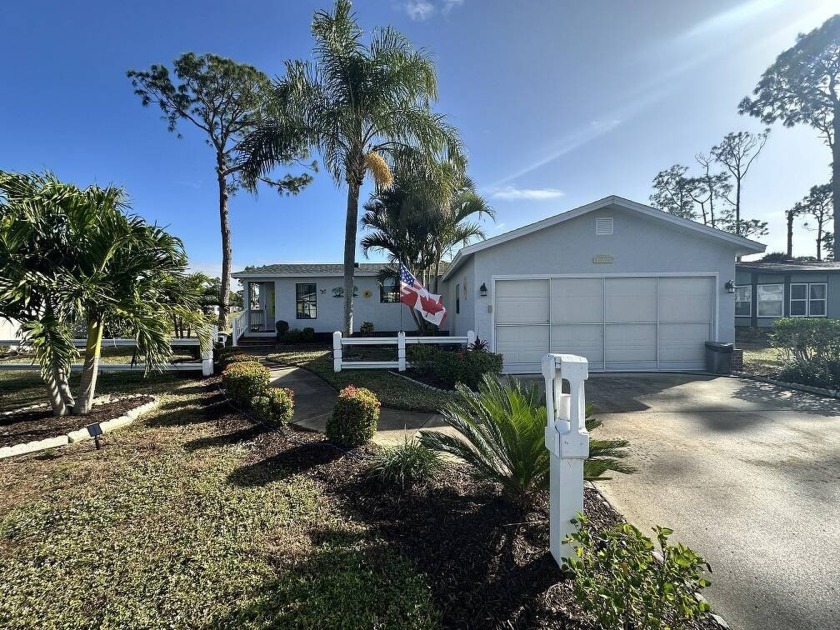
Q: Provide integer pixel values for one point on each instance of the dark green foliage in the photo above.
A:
(282, 327)
(236, 357)
(621, 584)
(405, 465)
(244, 381)
(275, 406)
(448, 367)
(295, 335)
(366, 328)
(811, 350)
(353, 420)
(502, 437)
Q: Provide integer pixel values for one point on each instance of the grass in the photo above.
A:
(392, 390)
(760, 357)
(109, 355)
(162, 529)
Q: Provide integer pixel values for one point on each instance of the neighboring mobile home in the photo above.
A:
(767, 291)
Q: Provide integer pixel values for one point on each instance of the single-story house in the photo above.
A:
(623, 284)
(769, 290)
(310, 296)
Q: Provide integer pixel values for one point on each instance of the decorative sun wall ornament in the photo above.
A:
(367, 293)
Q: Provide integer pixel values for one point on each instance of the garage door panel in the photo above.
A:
(685, 300)
(522, 345)
(586, 340)
(522, 301)
(683, 345)
(630, 343)
(630, 299)
(577, 300)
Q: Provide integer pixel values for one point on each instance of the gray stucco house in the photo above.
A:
(627, 286)
(769, 290)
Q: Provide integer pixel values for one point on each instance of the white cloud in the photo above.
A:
(511, 193)
(419, 10)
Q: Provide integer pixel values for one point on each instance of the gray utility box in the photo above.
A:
(719, 357)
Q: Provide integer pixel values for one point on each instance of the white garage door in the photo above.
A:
(618, 323)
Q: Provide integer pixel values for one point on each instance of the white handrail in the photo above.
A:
(240, 325)
(400, 341)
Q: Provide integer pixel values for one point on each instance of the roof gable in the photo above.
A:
(740, 244)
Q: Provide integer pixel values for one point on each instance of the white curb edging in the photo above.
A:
(80, 435)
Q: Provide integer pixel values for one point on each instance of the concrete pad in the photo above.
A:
(748, 475)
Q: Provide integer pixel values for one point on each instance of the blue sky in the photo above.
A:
(559, 103)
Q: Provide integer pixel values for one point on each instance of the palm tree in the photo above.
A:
(360, 105)
(72, 255)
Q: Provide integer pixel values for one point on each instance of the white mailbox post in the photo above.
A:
(567, 440)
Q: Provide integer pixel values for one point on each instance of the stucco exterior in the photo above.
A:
(639, 244)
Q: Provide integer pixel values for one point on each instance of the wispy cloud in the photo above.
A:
(511, 193)
(421, 10)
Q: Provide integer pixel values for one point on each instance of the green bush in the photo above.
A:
(405, 465)
(448, 367)
(501, 435)
(366, 328)
(353, 420)
(621, 584)
(810, 348)
(282, 327)
(244, 381)
(237, 357)
(295, 335)
(275, 406)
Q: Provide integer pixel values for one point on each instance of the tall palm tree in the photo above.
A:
(362, 105)
(72, 255)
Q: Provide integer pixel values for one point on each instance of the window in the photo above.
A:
(388, 291)
(743, 301)
(771, 299)
(306, 298)
(808, 300)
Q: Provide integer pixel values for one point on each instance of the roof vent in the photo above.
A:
(604, 226)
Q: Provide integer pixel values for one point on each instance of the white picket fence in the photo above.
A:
(400, 341)
(205, 365)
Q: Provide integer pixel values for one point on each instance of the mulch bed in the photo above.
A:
(40, 424)
(486, 560)
(427, 379)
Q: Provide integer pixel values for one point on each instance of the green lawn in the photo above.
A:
(760, 358)
(392, 390)
(109, 355)
(184, 520)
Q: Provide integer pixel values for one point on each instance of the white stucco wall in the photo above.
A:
(639, 244)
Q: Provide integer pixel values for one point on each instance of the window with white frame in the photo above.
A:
(808, 299)
(771, 300)
(743, 301)
(389, 292)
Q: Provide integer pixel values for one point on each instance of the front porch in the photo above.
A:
(260, 308)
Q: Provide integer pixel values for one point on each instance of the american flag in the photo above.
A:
(415, 295)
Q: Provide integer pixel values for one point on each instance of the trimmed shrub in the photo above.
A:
(276, 405)
(366, 328)
(448, 368)
(237, 357)
(405, 465)
(295, 335)
(244, 381)
(353, 420)
(282, 327)
(621, 584)
(811, 350)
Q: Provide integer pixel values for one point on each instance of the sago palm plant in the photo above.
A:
(501, 435)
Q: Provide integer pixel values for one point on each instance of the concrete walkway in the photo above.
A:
(315, 399)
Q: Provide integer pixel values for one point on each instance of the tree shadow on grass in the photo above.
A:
(298, 459)
(242, 435)
(179, 413)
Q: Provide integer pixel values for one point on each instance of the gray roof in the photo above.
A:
(790, 266)
(310, 269)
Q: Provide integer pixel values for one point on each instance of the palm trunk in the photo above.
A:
(835, 179)
(438, 256)
(350, 231)
(59, 407)
(790, 233)
(64, 388)
(224, 220)
(90, 371)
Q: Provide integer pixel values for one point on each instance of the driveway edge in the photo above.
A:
(808, 389)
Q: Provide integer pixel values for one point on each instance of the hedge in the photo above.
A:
(354, 417)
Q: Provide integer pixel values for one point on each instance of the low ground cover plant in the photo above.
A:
(354, 417)
(619, 581)
(275, 405)
(501, 435)
(447, 368)
(366, 328)
(405, 465)
(245, 381)
(810, 349)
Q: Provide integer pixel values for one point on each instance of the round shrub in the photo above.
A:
(275, 406)
(353, 420)
(236, 357)
(244, 381)
(405, 465)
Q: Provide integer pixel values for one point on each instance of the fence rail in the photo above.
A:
(205, 365)
(401, 341)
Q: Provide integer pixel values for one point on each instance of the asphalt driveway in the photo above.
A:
(748, 475)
